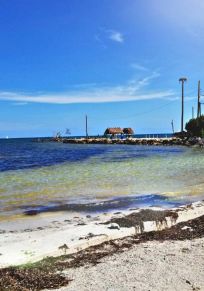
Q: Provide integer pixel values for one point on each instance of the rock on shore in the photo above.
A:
(173, 141)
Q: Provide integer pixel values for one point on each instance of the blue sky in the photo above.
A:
(116, 61)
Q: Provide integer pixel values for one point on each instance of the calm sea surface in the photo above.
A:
(53, 176)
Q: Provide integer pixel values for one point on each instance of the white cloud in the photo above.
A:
(138, 84)
(116, 36)
(102, 96)
(190, 98)
(100, 41)
(19, 103)
(108, 34)
(131, 91)
(138, 67)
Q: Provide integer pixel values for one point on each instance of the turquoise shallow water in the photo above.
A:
(40, 175)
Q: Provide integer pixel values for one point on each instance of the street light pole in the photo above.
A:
(199, 107)
(86, 126)
(182, 80)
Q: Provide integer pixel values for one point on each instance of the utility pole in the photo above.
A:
(182, 80)
(192, 112)
(172, 125)
(199, 104)
(86, 126)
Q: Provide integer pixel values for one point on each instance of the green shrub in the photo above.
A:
(195, 126)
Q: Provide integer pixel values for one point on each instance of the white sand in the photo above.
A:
(171, 265)
(28, 246)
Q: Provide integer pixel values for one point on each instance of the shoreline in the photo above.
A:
(95, 206)
(77, 231)
(157, 236)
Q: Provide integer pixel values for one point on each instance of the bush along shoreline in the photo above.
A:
(195, 127)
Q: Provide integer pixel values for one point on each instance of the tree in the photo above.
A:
(195, 126)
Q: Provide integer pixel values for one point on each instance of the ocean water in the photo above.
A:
(40, 177)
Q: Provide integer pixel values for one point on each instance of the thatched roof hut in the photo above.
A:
(128, 131)
(113, 131)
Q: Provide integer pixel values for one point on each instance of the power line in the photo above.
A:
(139, 114)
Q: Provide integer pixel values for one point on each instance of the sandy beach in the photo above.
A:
(127, 248)
(169, 265)
(47, 234)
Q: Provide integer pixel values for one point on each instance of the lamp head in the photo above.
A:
(183, 79)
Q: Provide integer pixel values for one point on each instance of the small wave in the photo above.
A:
(119, 203)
